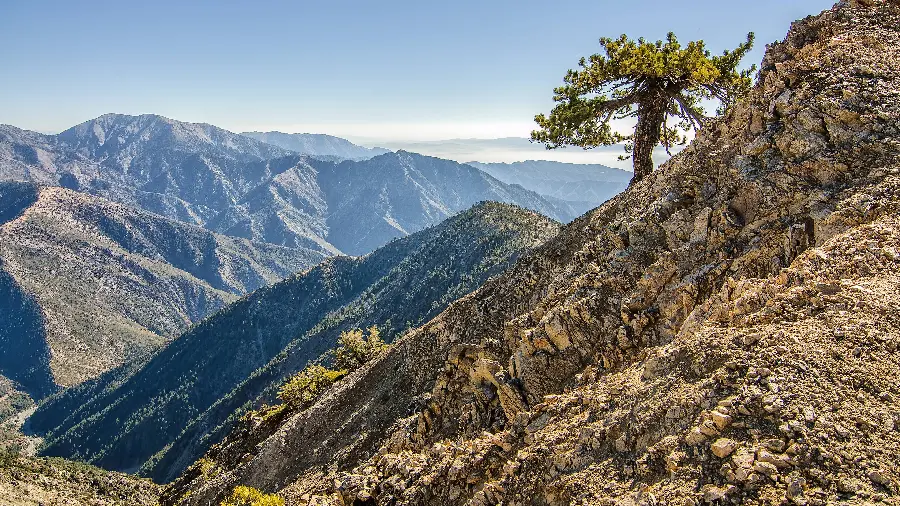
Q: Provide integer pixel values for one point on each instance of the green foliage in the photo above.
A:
(305, 387)
(249, 496)
(653, 81)
(206, 466)
(355, 348)
(9, 455)
(13, 402)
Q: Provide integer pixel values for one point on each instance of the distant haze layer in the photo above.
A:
(512, 149)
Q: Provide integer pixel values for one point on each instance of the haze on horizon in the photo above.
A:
(399, 74)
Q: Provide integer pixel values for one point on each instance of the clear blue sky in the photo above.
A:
(380, 70)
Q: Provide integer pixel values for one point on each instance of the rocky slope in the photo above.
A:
(320, 145)
(165, 414)
(724, 331)
(89, 284)
(229, 183)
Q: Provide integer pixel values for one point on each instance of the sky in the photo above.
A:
(393, 71)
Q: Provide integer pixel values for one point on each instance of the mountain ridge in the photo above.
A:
(583, 186)
(207, 176)
(317, 144)
(111, 283)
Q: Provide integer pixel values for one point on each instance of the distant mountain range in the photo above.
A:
(233, 184)
(88, 284)
(584, 187)
(166, 413)
(162, 222)
(319, 145)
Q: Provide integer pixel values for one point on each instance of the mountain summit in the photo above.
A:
(319, 145)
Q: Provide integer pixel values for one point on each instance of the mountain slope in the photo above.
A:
(183, 171)
(395, 194)
(289, 209)
(91, 284)
(356, 206)
(317, 145)
(723, 331)
(127, 416)
(584, 186)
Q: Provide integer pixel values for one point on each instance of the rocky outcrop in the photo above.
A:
(725, 330)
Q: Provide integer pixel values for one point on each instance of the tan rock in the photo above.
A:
(713, 494)
(765, 468)
(779, 461)
(708, 429)
(795, 490)
(694, 437)
(723, 447)
(721, 420)
(879, 478)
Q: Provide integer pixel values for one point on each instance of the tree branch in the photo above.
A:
(697, 119)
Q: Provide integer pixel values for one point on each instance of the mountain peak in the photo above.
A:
(321, 145)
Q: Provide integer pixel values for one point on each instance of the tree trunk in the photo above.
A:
(651, 114)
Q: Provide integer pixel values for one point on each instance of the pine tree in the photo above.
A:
(651, 81)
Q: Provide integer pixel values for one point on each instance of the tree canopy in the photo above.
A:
(653, 81)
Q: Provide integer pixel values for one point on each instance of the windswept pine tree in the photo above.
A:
(652, 81)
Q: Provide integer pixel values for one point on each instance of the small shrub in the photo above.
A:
(305, 387)
(206, 465)
(355, 349)
(249, 496)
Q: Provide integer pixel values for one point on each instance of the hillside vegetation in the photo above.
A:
(36, 482)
